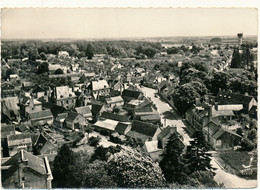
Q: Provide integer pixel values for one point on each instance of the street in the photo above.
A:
(170, 117)
(231, 180)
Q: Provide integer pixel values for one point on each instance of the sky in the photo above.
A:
(86, 23)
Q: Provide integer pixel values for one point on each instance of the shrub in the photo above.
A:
(247, 145)
(94, 141)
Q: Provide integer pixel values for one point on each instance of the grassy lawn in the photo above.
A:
(236, 159)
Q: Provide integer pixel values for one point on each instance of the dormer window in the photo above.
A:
(70, 95)
(61, 96)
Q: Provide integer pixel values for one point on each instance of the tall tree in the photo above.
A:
(63, 167)
(172, 163)
(197, 157)
(89, 51)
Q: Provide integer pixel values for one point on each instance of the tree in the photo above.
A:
(91, 175)
(43, 67)
(94, 141)
(184, 97)
(59, 71)
(252, 134)
(205, 179)
(220, 80)
(172, 163)
(131, 169)
(63, 162)
(43, 56)
(89, 51)
(150, 52)
(197, 157)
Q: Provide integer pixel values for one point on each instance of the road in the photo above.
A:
(171, 117)
(168, 115)
(231, 180)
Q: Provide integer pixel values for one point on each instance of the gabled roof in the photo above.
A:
(151, 146)
(121, 127)
(131, 93)
(7, 130)
(116, 117)
(41, 141)
(41, 114)
(64, 92)
(17, 139)
(107, 124)
(162, 84)
(96, 108)
(114, 99)
(144, 128)
(72, 116)
(150, 117)
(99, 85)
(55, 110)
(84, 110)
(33, 162)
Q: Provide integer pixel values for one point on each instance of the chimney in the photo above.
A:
(209, 112)
(197, 101)
(216, 106)
(32, 102)
(246, 93)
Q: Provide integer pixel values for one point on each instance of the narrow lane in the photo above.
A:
(171, 117)
(168, 115)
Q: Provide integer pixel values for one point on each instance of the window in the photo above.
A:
(219, 142)
(67, 101)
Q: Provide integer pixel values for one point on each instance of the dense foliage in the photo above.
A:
(130, 169)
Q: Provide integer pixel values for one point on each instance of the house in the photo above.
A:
(17, 142)
(29, 105)
(45, 145)
(83, 99)
(153, 80)
(98, 88)
(10, 109)
(131, 94)
(97, 108)
(107, 124)
(114, 101)
(24, 170)
(85, 111)
(200, 115)
(147, 114)
(161, 86)
(60, 120)
(143, 131)
(75, 121)
(41, 117)
(116, 117)
(63, 54)
(228, 97)
(164, 136)
(123, 128)
(137, 104)
(151, 149)
(64, 96)
(5, 131)
(220, 138)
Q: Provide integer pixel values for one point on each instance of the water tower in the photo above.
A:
(240, 36)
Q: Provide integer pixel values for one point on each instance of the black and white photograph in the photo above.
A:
(129, 98)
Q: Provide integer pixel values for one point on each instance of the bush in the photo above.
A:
(247, 145)
(94, 141)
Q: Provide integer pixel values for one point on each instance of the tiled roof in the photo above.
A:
(41, 114)
(64, 92)
(35, 163)
(84, 110)
(114, 99)
(150, 117)
(107, 124)
(116, 117)
(147, 129)
(131, 93)
(121, 127)
(99, 85)
(17, 139)
(72, 116)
